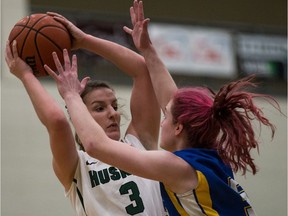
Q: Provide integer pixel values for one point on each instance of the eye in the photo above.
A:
(99, 108)
(115, 107)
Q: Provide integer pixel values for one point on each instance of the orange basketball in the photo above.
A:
(37, 36)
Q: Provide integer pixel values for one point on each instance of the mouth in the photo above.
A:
(113, 126)
(113, 131)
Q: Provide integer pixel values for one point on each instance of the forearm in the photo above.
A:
(142, 94)
(86, 127)
(163, 84)
(125, 59)
(44, 105)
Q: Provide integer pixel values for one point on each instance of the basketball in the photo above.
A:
(37, 36)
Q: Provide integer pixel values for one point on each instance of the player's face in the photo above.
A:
(103, 106)
(167, 141)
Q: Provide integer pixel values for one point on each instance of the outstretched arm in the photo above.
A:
(63, 148)
(144, 107)
(162, 166)
(163, 84)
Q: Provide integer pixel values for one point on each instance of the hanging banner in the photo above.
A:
(195, 51)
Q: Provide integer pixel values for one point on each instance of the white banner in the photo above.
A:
(190, 50)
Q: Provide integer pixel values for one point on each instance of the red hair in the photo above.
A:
(222, 121)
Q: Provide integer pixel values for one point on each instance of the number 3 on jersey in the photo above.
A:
(137, 206)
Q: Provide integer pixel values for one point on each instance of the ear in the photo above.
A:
(178, 128)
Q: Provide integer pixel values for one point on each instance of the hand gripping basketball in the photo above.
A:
(38, 36)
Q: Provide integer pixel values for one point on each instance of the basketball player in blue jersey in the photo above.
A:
(205, 135)
(94, 187)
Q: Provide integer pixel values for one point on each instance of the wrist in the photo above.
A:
(79, 42)
(71, 96)
(25, 75)
(84, 42)
(148, 52)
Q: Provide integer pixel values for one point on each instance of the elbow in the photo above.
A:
(89, 147)
(56, 120)
(93, 146)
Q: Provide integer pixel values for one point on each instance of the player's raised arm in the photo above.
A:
(163, 84)
(51, 116)
(145, 111)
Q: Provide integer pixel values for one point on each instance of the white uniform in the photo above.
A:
(100, 189)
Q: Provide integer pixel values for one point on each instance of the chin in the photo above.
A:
(166, 148)
(162, 146)
(114, 135)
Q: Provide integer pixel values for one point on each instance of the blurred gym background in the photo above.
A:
(201, 42)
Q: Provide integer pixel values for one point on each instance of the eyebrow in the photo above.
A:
(102, 102)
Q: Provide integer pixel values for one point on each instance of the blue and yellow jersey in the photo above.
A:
(217, 192)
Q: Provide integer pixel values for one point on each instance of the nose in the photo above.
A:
(112, 112)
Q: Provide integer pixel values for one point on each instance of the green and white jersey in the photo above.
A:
(104, 190)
